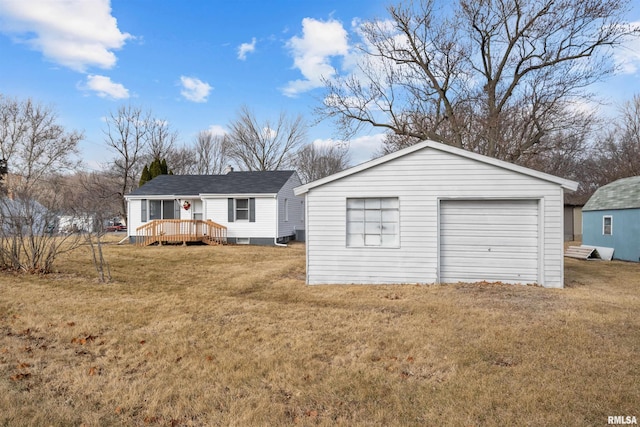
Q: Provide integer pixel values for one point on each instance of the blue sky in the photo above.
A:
(194, 63)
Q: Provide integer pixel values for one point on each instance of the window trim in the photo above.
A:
(604, 225)
(395, 244)
(232, 215)
(236, 209)
(145, 210)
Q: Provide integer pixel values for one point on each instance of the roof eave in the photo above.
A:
(565, 183)
(215, 195)
(160, 196)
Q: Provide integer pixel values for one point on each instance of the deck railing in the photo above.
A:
(181, 231)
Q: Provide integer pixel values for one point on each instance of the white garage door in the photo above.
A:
(492, 240)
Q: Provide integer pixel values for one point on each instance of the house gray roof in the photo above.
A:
(260, 182)
(621, 194)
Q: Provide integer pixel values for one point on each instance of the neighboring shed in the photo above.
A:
(573, 203)
(432, 213)
(254, 207)
(611, 218)
(572, 222)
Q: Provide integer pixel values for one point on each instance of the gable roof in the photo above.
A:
(258, 182)
(621, 194)
(565, 183)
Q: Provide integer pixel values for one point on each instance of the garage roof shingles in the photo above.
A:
(258, 182)
(621, 194)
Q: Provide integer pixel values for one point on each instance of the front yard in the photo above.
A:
(231, 336)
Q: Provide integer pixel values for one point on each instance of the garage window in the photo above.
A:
(373, 222)
(607, 225)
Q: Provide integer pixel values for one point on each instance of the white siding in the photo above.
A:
(418, 180)
(196, 207)
(134, 216)
(296, 221)
(215, 209)
(489, 240)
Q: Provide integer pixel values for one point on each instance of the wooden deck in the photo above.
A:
(165, 231)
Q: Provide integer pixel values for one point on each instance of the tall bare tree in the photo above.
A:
(211, 153)
(207, 156)
(127, 134)
(617, 153)
(623, 143)
(181, 160)
(32, 141)
(267, 145)
(314, 162)
(161, 139)
(492, 76)
(36, 148)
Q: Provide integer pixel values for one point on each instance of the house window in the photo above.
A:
(607, 225)
(159, 209)
(373, 222)
(286, 210)
(242, 209)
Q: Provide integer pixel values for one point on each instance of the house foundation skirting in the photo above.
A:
(258, 241)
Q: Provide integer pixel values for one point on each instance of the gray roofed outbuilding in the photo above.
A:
(621, 194)
(256, 182)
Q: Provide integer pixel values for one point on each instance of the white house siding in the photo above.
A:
(196, 207)
(134, 216)
(419, 179)
(296, 208)
(215, 209)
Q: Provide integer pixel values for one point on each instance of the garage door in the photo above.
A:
(492, 240)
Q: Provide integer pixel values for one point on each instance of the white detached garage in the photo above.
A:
(432, 213)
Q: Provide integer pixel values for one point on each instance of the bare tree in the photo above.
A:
(181, 160)
(490, 76)
(127, 133)
(94, 208)
(617, 153)
(266, 146)
(161, 139)
(211, 153)
(35, 148)
(622, 150)
(314, 162)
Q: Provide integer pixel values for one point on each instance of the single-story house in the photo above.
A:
(432, 213)
(255, 207)
(611, 219)
(25, 217)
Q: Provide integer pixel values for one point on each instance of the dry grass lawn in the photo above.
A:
(231, 336)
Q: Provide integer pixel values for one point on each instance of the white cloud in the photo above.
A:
(105, 88)
(361, 149)
(312, 53)
(217, 130)
(627, 56)
(74, 33)
(194, 89)
(246, 48)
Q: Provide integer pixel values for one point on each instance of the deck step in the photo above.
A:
(581, 252)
